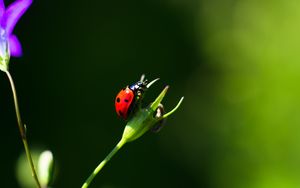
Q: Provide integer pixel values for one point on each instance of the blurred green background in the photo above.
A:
(237, 63)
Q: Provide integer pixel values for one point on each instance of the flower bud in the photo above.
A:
(44, 163)
(146, 118)
(45, 167)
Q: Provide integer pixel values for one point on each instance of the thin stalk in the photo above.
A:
(174, 109)
(22, 130)
(101, 165)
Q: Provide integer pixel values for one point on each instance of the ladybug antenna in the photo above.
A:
(142, 78)
(152, 82)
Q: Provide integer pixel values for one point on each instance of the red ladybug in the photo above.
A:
(128, 97)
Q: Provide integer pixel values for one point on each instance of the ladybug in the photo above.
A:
(128, 98)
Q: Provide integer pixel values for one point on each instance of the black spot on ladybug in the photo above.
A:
(118, 99)
(121, 113)
(126, 100)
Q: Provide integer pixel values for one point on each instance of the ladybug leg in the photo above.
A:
(137, 101)
(139, 96)
(139, 93)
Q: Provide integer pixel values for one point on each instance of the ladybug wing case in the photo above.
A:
(123, 102)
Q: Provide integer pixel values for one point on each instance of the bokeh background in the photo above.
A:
(237, 63)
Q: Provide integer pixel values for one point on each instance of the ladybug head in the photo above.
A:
(142, 85)
(138, 86)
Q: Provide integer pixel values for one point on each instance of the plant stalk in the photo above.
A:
(101, 165)
(22, 130)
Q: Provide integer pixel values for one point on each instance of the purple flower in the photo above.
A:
(9, 43)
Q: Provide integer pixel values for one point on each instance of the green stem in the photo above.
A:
(101, 165)
(22, 130)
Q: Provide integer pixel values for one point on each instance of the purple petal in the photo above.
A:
(13, 13)
(2, 9)
(15, 47)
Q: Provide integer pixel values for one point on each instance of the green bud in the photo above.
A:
(145, 118)
(45, 168)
